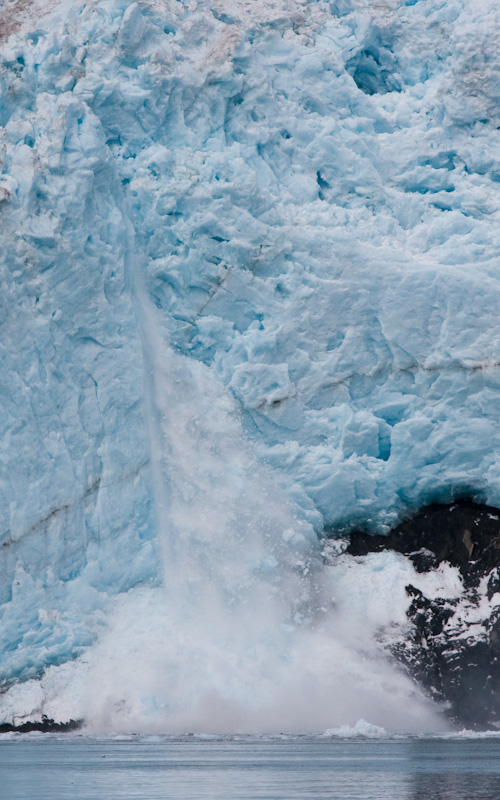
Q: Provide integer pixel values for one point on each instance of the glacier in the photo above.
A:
(250, 294)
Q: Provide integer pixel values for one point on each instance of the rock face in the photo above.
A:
(453, 647)
(46, 725)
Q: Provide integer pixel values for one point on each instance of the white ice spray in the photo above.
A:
(245, 635)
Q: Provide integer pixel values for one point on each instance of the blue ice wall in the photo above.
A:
(308, 193)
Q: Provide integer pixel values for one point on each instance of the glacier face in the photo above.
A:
(295, 202)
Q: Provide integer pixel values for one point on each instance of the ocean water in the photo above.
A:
(249, 768)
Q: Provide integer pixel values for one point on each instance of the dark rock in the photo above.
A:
(464, 534)
(46, 725)
(458, 664)
(452, 648)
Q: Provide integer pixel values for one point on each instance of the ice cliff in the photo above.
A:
(249, 270)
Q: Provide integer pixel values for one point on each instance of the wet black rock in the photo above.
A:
(456, 660)
(465, 534)
(453, 646)
(45, 725)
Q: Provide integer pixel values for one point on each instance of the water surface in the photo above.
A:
(248, 768)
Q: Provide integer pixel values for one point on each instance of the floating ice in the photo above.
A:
(362, 729)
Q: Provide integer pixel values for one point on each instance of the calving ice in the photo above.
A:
(250, 305)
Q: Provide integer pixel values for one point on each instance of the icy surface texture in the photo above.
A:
(303, 197)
